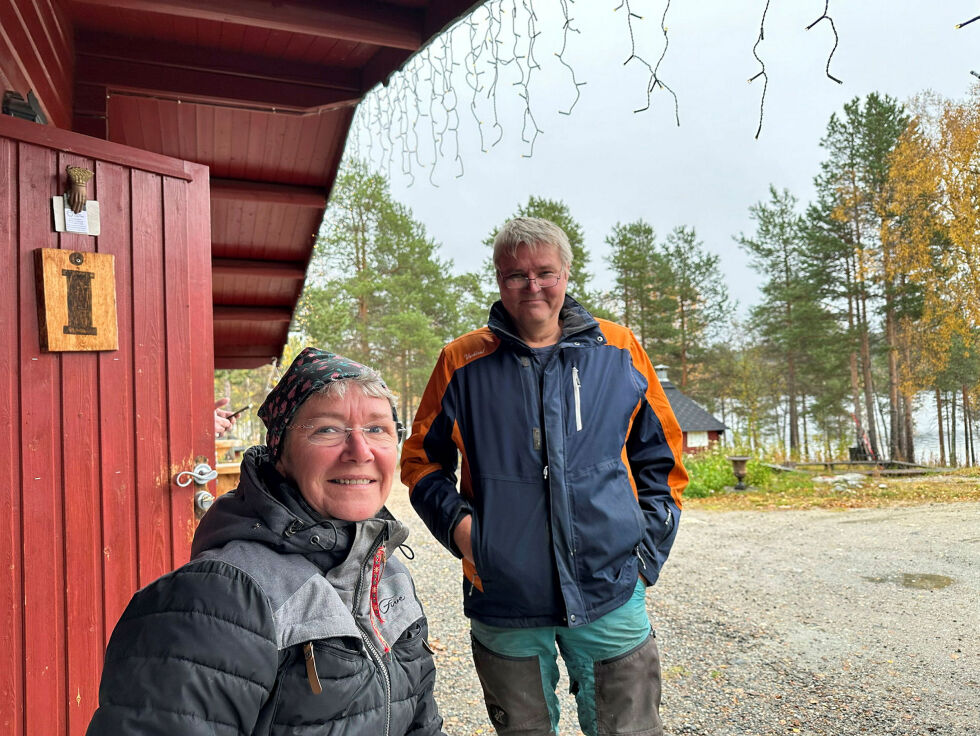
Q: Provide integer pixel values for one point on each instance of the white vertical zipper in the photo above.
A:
(576, 387)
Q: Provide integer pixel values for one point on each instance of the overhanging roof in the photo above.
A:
(691, 416)
(261, 92)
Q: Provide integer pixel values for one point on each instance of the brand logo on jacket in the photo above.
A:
(386, 604)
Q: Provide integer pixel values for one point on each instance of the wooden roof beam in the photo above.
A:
(198, 85)
(238, 190)
(253, 314)
(198, 58)
(239, 362)
(286, 270)
(251, 350)
(347, 21)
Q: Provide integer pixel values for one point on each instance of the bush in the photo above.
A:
(710, 471)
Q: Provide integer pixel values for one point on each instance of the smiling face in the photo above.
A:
(350, 481)
(534, 309)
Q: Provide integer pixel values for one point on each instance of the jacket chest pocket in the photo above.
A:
(345, 676)
(412, 656)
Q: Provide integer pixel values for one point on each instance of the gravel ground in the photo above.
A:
(811, 622)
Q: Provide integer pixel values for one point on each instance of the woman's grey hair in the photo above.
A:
(368, 383)
(531, 232)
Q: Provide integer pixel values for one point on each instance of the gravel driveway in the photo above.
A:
(810, 622)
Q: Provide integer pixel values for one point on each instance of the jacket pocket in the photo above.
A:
(511, 544)
(607, 519)
(414, 658)
(348, 683)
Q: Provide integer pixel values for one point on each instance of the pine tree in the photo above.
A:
(379, 293)
(644, 287)
(852, 201)
(790, 310)
(701, 299)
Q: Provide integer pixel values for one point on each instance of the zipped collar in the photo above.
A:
(575, 320)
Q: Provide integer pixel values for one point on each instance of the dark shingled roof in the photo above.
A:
(690, 414)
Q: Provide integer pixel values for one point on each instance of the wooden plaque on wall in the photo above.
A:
(76, 295)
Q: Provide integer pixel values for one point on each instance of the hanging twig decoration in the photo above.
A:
(561, 55)
(654, 80)
(836, 38)
(762, 72)
(415, 120)
(417, 117)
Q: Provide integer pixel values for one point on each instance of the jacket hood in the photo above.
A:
(267, 508)
(574, 317)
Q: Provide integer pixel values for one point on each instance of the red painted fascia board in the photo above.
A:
(346, 20)
(69, 142)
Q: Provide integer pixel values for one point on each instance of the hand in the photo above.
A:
(223, 421)
(461, 536)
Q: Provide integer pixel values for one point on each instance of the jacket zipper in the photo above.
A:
(639, 556)
(366, 637)
(576, 387)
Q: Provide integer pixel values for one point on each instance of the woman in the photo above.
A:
(290, 617)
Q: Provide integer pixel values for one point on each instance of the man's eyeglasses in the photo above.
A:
(544, 280)
(330, 435)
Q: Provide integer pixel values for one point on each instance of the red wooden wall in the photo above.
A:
(713, 437)
(37, 53)
(88, 508)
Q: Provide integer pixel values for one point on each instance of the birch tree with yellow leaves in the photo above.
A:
(934, 235)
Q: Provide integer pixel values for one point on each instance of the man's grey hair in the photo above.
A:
(531, 232)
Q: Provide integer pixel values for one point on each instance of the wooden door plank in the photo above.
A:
(117, 411)
(82, 505)
(179, 348)
(201, 310)
(43, 511)
(11, 580)
(149, 362)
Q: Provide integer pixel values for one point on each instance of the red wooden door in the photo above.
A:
(93, 440)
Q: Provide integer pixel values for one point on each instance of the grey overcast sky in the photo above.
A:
(609, 164)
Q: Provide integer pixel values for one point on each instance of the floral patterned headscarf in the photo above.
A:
(310, 371)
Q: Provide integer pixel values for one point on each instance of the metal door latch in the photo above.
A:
(200, 476)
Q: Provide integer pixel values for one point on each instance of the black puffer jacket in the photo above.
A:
(275, 605)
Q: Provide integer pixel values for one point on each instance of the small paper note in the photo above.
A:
(76, 222)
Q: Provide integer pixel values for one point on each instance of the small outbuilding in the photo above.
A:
(700, 428)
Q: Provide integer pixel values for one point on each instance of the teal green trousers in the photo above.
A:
(613, 667)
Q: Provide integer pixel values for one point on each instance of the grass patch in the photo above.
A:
(711, 472)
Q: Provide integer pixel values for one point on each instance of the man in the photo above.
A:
(569, 494)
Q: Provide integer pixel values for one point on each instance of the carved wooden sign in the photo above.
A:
(76, 295)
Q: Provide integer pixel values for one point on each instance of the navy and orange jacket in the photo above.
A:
(574, 483)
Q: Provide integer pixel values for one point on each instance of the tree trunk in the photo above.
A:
(404, 390)
(967, 437)
(939, 423)
(806, 439)
(896, 426)
(952, 429)
(909, 429)
(908, 404)
(853, 358)
(683, 346)
(793, 413)
(869, 399)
